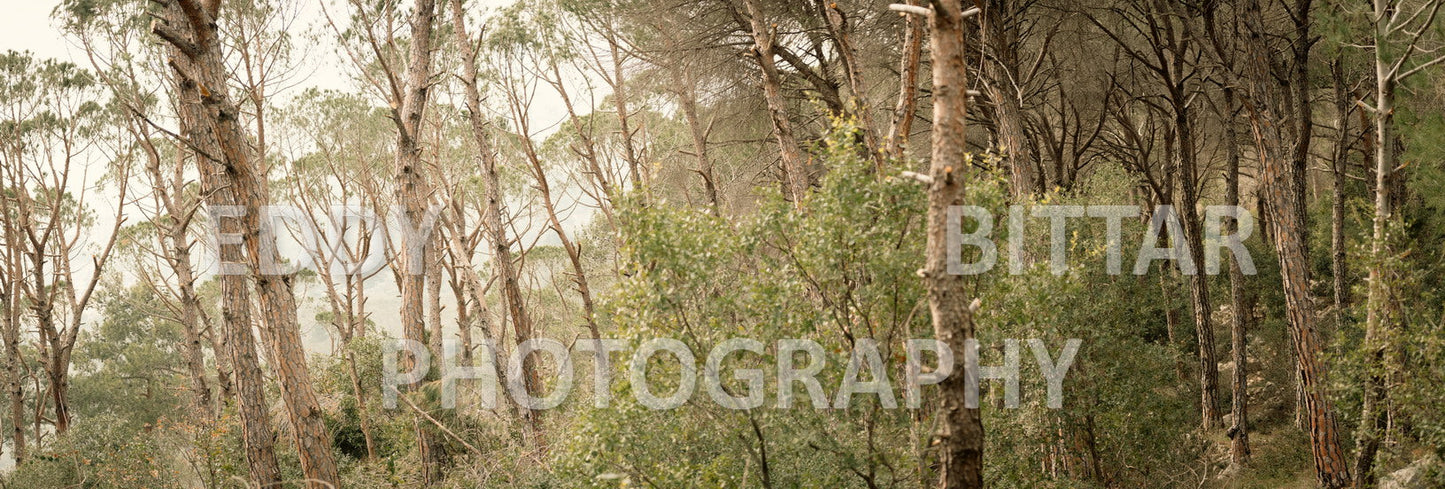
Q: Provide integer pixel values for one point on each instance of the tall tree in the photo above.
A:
(960, 436)
(495, 221)
(1263, 102)
(1401, 34)
(215, 131)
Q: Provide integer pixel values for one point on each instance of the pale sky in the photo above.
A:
(26, 25)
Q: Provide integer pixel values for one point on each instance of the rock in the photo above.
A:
(1417, 475)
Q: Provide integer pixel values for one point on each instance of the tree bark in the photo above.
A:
(1339, 162)
(906, 108)
(1380, 314)
(416, 253)
(1001, 74)
(14, 388)
(1240, 307)
(687, 101)
(1199, 281)
(199, 63)
(1262, 102)
(794, 169)
(256, 433)
(960, 436)
(494, 221)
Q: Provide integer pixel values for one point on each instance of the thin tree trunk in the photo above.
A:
(14, 388)
(841, 33)
(1338, 163)
(176, 249)
(687, 101)
(1199, 281)
(493, 220)
(1303, 110)
(960, 437)
(1239, 306)
(574, 252)
(635, 166)
(1167, 277)
(1380, 315)
(904, 111)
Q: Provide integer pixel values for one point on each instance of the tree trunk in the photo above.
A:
(1380, 315)
(907, 106)
(841, 33)
(1198, 282)
(960, 436)
(176, 250)
(1240, 307)
(794, 169)
(417, 250)
(14, 389)
(1001, 74)
(1331, 469)
(1303, 110)
(1338, 163)
(687, 101)
(216, 126)
(574, 251)
(257, 436)
(635, 167)
(493, 220)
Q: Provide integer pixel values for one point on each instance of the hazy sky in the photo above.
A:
(25, 25)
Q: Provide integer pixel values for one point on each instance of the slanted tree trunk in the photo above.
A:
(257, 436)
(1001, 76)
(618, 82)
(687, 101)
(960, 436)
(841, 32)
(198, 62)
(794, 169)
(1262, 103)
(493, 220)
(544, 189)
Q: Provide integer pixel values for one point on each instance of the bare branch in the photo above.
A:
(1422, 66)
(921, 178)
(911, 9)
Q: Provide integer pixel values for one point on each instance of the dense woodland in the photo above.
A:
(714, 169)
